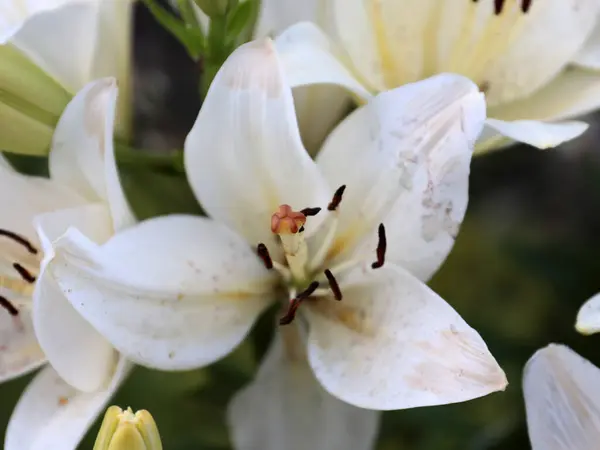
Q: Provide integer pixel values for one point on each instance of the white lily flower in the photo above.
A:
(562, 400)
(62, 401)
(588, 317)
(528, 56)
(179, 292)
(50, 49)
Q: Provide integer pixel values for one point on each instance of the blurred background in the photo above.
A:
(527, 257)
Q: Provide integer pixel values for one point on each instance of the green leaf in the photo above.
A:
(239, 19)
(189, 35)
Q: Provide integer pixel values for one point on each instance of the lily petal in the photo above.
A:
(404, 158)
(276, 15)
(82, 155)
(80, 355)
(392, 343)
(313, 66)
(589, 55)
(14, 14)
(19, 350)
(53, 415)
(538, 134)
(244, 156)
(562, 400)
(285, 407)
(173, 293)
(588, 317)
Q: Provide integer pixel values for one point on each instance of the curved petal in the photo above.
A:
(19, 349)
(61, 41)
(562, 400)
(404, 158)
(285, 407)
(174, 293)
(573, 93)
(80, 355)
(589, 55)
(588, 317)
(53, 415)
(538, 134)
(82, 155)
(392, 343)
(244, 156)
(15, 13)
(276, 15)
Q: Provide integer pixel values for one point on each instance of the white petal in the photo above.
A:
(573, 93)
(19, 350)
(276, 15)
(404, 158)
(81, 356)
(539, 134)
(61, 41)
(588, 317)
(82, 155)
(589, 55)
(244, 156)
(308, 57)
(562, 400)
(15, 13)
(286, 408)
(392, 343)
(175, 292)
(53, 415)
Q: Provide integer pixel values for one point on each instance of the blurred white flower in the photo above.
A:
(49, 50)
(84, 191)
(562, 400)
(180, 292)
(537, 61)
(588, 318)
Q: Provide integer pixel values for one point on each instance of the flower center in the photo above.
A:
(303, 274)
(24, 267)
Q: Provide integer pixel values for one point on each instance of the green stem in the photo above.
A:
(172, 160)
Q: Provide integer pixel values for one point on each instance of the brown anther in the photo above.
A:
(498, 6)
(19, 240)
(290, 315)
(337, 198)
(287, 221)
(381, 247)
(333, 285)
(308, 212)
(7, 305)
(25, 274)
(263, 253)
(526, 5)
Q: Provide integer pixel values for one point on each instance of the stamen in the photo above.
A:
(25, 274)
(526, 5)
(295, 303)
(498, 6)
(308, 212)
(333, 284)
(337, 198)
(19, 240)
(287, 221)
(6, 304)
(263, 253)
(381, 247)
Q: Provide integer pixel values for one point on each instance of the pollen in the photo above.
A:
(287, 221)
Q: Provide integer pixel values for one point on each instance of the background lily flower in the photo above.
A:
(588, 317)
(84, 191)
(179, 292)
(562, 400)
(531, 58)
(49, 50)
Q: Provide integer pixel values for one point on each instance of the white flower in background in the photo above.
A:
(562, 400)
(343, 244)
(49, 50)
(588, 318)
(536, 60)
(84, 191)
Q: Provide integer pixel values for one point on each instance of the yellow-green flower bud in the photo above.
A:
(31, 103)
(124, 430)
(214, 8)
